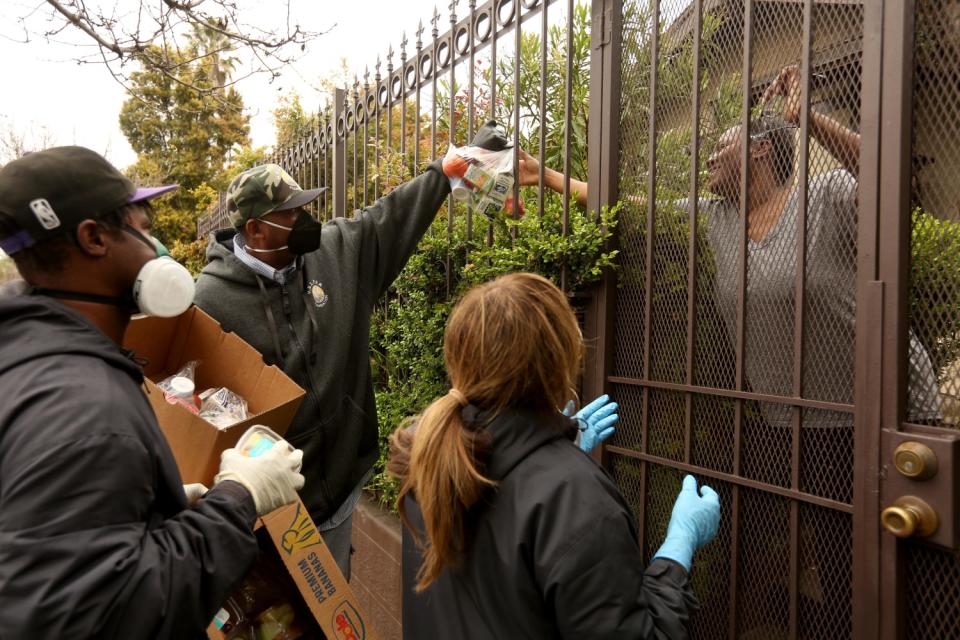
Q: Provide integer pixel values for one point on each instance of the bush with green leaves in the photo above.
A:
(935, 275)
(192, 255)
(406, 335)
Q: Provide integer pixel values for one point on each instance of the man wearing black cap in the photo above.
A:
(96, 537)
(302, 294)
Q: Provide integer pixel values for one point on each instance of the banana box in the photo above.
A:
(313, 586)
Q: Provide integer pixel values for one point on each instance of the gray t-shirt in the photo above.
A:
(829, 316)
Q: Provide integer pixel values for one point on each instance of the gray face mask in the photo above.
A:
(163, 287)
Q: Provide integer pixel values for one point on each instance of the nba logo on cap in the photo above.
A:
(45, 214)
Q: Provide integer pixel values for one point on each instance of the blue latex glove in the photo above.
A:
(693, 523)
(595, 421)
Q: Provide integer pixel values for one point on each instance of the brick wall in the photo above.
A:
(375, 567)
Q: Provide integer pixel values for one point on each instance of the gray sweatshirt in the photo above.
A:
(322, 319)
(830, 314)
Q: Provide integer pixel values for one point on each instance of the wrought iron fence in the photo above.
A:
(432, 93)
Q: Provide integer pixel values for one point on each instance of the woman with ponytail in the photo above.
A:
(518, 533)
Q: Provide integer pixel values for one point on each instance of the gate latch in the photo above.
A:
(919, 487)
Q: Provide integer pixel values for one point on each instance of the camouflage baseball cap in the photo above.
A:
(264, 189)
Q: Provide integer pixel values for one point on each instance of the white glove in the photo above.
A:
(272, 478)
(194, 491)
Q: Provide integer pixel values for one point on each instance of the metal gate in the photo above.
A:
(802, 358)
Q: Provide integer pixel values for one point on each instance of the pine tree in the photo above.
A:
(182, 136)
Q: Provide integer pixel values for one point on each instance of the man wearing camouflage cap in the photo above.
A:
(302, 294)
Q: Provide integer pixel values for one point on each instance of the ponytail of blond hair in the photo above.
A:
(512, 342)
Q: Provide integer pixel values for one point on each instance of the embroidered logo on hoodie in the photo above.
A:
(320, 297)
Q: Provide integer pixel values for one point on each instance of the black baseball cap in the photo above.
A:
(50, 192)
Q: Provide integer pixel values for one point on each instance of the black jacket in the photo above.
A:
(554, 554)
(322, 319)
(96, 540)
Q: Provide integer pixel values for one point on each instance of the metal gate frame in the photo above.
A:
(882, 294)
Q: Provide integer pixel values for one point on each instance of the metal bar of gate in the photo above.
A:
(741, 314)
(339, 156)
(568, 120)
(434, 68)
(301, 156)
(493, 82)
(518, 35)
(604, 173)
(322, 163)
(895, 174)
(471, 88)
(734, 480)
(543, 108)
(326, 149)
(315, 161)
(366, 133)
(737, 395)
(403, 106)
(799, 309)
(692, 247)
(869, 342)
(433, 77)
(416, 75)
(451, 48)
(376, 132)
(389, 85)
(352, 114)
(648, 275)
(494, 14)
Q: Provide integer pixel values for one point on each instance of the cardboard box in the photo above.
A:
(322, 588)
(225, 361)
(288, 534)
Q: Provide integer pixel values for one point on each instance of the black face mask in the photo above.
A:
(304, 235)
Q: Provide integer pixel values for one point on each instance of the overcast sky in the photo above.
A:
(45, 89)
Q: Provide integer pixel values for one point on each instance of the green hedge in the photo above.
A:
(935, 300)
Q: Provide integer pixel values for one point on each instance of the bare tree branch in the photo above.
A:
(149, 35)
(15, 142)
(84, 25)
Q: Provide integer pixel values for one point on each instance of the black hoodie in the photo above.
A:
(321, 326)
(554, 552)
(96, 540)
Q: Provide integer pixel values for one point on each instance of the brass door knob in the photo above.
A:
(915, 460)
(910, 516)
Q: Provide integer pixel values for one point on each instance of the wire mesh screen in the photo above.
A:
(933, 585)
(666, 424)
(933, 575)
(712, 433)
(735, 326)
(935, 266)
(825, 581)
(711, 580)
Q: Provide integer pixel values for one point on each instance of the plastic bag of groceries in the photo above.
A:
(482, 178)
(222, 408)
(180, 388)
